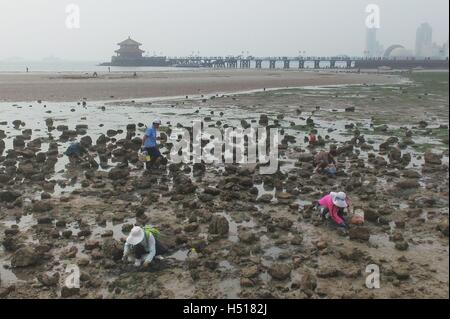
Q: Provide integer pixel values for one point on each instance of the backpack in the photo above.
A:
(152, 230)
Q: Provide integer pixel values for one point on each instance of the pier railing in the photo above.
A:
(333, 62)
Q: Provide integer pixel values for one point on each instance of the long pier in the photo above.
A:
(307, 63)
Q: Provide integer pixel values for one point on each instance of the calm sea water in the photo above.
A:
(8, 67)
(14, 67)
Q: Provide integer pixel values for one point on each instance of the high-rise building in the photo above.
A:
(425, 47)
(424, 41)
(373, 47)
(445, 49)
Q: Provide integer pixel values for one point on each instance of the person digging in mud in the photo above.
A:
(330, 170)
(333, 206)
(323, 160)
(142, 245)
(77, 153)
(150, 146)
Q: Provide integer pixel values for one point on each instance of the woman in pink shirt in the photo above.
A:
(335, 204)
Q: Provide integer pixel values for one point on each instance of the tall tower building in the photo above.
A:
(373, 47)
(424, 41)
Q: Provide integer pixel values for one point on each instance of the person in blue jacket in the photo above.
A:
(150, 145)
(76, 152)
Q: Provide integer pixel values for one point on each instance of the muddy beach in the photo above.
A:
(257, 236)
(118, 85)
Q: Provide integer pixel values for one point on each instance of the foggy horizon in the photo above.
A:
(35, 29)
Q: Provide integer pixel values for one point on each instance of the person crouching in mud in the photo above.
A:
(333, 206)
(325, 163)
(150, 145)
(142, 245)
(330, 170)
(76, 152)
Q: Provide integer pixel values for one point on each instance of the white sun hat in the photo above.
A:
(157, 121)
(136, 236)
(339, 199)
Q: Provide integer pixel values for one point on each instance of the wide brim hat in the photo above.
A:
(339, 199)
(136, 236)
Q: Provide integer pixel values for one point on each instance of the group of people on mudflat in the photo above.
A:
(143, 243)
(335, 206)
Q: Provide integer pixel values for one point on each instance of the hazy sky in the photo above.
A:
(37, 29)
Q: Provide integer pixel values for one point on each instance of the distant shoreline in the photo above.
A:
(74, 86)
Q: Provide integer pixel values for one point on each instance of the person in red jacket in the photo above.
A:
(312, 138)
(334, 205)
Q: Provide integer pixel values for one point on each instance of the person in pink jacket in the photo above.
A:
(334, 205)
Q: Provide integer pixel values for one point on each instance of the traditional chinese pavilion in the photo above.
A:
(129, 49)
(130, 54)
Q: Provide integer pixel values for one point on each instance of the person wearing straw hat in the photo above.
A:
(334, 205)
(142, 245)
(150, 145)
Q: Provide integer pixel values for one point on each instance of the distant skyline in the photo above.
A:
(35, 29)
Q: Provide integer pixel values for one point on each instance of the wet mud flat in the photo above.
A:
(71, 86)
(257, 236)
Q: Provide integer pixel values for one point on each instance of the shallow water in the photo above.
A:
(7, 276)
(25, 222)
(230, 288)
(180, 255)
(115, 227)
(121, 113)
(233, 234)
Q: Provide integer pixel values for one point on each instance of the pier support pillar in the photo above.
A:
(349, 64)
(287, 64)
(272, 64)
(244, 64)
(258, 64)
(301, 64)
(231, 64)
(316, 64)
(332, 64)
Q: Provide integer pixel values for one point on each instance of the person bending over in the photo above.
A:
(142, 245)
(333, 206)
(149, 144)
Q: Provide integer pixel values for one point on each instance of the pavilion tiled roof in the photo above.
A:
(129, 41)
(125, 50)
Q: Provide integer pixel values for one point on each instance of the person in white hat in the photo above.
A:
(150, 145)
(334, 206)
(142, 245)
